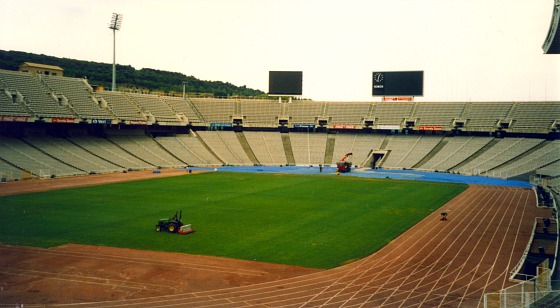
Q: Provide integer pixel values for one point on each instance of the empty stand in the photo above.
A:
(28, 158)
(267, 147)
(154, 105)
(122, 106)
(36, 96)
(485, 116)
(456, 150)
(438, 114)
(534, 116)
(79, 94)
(545, 155)
(214, 110)
(308, 148)
(304, 112)
(73, 155)
(111, 152)
(189, 149)
(392, 113)
(260, 113)
(184, 107)
(9, 106)
(148, 150)
(226, 147)
(347, 113)
(500, 153)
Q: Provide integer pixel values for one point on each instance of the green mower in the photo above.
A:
(170, 224)
(174, 224)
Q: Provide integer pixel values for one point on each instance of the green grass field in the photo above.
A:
(314, 221)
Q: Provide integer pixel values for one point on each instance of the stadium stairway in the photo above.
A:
(288, 149)
(329, 150)
(431, 154)
(247, 148)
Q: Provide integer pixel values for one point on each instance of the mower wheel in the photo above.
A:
(172, 228)
(158, 228)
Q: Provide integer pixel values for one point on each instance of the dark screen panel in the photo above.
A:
(285, 82)
(404, 83)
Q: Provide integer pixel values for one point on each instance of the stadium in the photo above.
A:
(72, 153)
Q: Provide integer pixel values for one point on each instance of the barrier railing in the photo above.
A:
(523, 294)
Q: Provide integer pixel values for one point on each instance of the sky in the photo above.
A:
(469, 50)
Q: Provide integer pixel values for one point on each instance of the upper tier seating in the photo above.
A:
(392, 113)
(534, 116)
(214, 110)
(153, 104)
(79, 94)
(485, 116)
(122, 106)
(260, 113)
(36, 96)
(347, 113)
(304, 112)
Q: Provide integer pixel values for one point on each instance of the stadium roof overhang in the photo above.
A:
(552, 42)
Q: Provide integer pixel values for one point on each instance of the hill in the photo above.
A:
(127, 76)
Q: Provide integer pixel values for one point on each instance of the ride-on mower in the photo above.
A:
(174, 224)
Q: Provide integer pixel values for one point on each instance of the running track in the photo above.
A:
(434, 264)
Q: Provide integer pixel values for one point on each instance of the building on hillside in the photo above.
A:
(36, 68)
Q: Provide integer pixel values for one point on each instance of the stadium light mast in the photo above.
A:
(115, 25)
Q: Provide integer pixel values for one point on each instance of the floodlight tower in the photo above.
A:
(115, 25)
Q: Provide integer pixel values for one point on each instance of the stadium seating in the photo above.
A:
(304, 112)
(184, 107)
(154, 105)
(438, 114)
(260, 113)
(73, 155)
(392, 113)
(104, 148)
(267, 147)
(214, 110)
(225, 145)
(79, 94)
(534, 116)
(9, 105)
(503, 151)
(189, 149)
(122, 106)
(30, 159)
(35, 95)
(455, 151)
(485, 116)
(28, 98)
(308, 148)
(347, 113)
(541, 157)
(147, 149)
